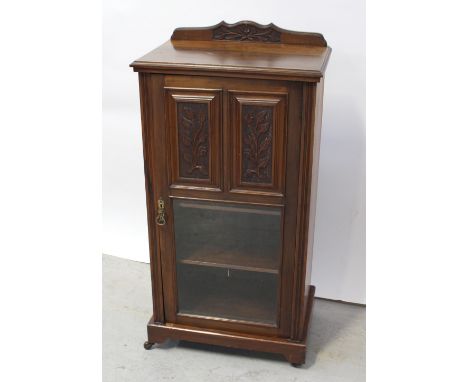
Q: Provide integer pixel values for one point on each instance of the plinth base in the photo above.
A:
(293, 351)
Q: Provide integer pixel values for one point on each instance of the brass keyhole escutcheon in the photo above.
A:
(160, 218)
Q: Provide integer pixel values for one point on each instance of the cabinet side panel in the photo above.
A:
(314, 181)
(306, 194)
(149, 85)
(315, 124)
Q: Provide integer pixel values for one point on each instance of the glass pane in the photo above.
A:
(228, 259)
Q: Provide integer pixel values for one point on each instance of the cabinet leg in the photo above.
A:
(152, 340)
(148, 345)
(296, 359)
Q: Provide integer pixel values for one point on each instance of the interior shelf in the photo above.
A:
(240, 260)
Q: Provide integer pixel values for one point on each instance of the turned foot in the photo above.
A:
(148, 345)
(296, 359)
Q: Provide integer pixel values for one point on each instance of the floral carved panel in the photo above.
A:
(193, 140)
(247, 32)
(257, 144)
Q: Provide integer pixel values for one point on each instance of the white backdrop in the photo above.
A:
(133, 27)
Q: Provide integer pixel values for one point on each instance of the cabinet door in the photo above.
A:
(228, 243)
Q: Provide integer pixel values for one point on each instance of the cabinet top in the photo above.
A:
(243, 49)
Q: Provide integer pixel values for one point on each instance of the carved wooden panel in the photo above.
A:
(247, 31)
(194, 146)
(193, 133)
(258, 128)
(257, 143)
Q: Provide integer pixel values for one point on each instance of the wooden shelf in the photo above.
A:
(240, 260)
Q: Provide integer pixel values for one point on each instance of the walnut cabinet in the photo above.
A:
(231, 118)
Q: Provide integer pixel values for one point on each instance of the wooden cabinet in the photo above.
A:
(231, 119)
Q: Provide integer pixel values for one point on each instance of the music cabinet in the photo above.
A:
(231, 118)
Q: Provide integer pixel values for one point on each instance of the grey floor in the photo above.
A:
(336, 349)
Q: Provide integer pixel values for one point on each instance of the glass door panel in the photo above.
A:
(228, 260)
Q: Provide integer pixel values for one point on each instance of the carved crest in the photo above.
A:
(247, 32)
